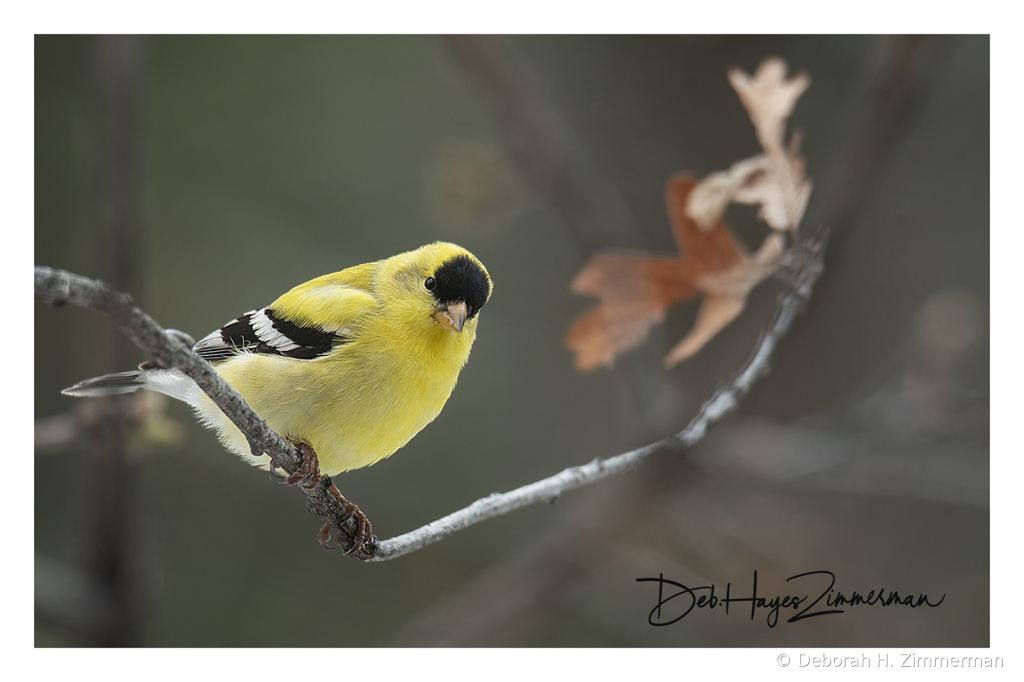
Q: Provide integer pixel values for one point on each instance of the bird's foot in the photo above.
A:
(363, 524)
(308, 473)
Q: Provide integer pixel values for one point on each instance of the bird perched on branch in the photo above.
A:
(347, 367)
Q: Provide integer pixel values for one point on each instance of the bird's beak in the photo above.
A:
(452, 315)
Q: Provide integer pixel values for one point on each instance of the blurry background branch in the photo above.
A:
(108, 603)
(903, 82)
(548, 153)
(544, 146)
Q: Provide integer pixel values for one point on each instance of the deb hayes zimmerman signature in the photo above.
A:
(680, 602)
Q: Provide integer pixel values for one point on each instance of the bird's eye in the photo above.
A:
(430, 283)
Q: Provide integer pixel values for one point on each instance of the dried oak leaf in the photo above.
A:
(637, 289)
(710, 198)
(775, 180)
(769, 98)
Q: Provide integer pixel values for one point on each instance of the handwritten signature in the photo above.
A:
(689, 599)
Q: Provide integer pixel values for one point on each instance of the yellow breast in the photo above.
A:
(354, 406)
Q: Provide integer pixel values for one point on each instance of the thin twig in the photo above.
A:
(724, 400)
(167, 348)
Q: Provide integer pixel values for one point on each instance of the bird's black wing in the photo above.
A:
(261, 331)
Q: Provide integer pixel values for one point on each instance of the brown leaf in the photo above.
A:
(635, 292)
(716, 311)
(726, 296)
(744, 276)
(637, 289)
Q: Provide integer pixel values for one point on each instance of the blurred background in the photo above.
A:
(207, 175)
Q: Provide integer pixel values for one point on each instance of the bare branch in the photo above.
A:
(724, 400)
(167, 348)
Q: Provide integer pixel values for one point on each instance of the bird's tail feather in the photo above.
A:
(108, 384)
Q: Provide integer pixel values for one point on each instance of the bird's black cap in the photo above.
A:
(462, 279)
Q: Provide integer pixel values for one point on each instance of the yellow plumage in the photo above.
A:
(389, 340)
(371, 395)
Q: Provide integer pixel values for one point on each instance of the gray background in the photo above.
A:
(266, 161)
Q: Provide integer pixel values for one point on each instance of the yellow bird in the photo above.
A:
(348, 367)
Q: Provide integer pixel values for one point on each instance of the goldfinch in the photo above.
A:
(348, 367)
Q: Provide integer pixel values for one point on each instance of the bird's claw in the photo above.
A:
(324, 536)
(362, 534)
(308, 473)
(363, 527)
(274, 476)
